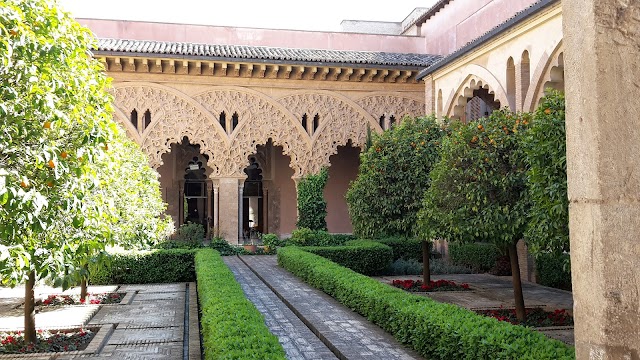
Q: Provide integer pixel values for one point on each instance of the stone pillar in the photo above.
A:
(265, 210)
(228, 209)
(216, 209)
(429, 95)
(240, 210)
(602, 63)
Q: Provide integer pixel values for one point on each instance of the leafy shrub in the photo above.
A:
(480, 257)
(190, 233)
(156, 266)
(546, 150)
(554, 270)
(232, 328)
(365, 257)
(502, 267)
(224, 248)
(272, 241)
(393, 175)
(312, 208)
(308, 237)
(436, 330)
(338, 239)
(173, 244)
(404, 248)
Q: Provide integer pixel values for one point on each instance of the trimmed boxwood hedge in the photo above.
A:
(363, 256)
(436, 330)
(551, 270)
(404, 248)
(145, 267)
(231, 327)
(480, 257)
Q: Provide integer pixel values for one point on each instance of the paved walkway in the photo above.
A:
(153, 321)
(347, 334)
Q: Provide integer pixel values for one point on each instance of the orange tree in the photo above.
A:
(546, 149)
(55, 120)
(478, 189)
(394, 173)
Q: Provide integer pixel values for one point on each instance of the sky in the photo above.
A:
(323, 15)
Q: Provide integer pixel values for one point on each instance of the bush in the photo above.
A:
(480, 257)
(190, 233)
(231, 326)
(308, 237)
(173, 244)
(404, 248)
(365, 257)
(272, 241)
(393, 175)
(552, 270)
(224, 248)
(312, 208)
(435, 330)
(414, 267)
(144, 267)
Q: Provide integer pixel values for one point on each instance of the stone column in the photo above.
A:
(228, 209)
(602, 40)
(429, 95)
(265, 210)
(240, 212)
(216, 208)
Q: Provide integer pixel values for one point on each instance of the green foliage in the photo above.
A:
(362, 256)
(143, 267)
(231, 327)
(308, 237)
(394, 173)
(190, 233)
(172, 244)
(546, 149)
(224, 248)
(480, 257)
(554, 270)
(404, 248)
(435, 330)
(55, 124)
(436, 266)
(478, 189)
(272, 241)
(312, 208)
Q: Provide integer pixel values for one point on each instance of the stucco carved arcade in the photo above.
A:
(260, 118)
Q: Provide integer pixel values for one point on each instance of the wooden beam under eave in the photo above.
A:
(182, 67)
(370, 74)
(248, 71)
(404, 76)
(311, 72)
(323, 73)
(393, 76)
(299, 72)
(346, 75)
(359, 73)
(334, 73)
(272, 72)
(156, 66)
(381, 75)
(262, 71)
(128, 64)
(142, 65)
(208, 68)
(169, 67)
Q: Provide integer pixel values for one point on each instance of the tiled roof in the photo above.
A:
(488, 36)
(263, 54)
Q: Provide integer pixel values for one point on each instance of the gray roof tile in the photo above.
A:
(263, 53)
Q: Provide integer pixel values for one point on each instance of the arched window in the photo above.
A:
(147, 119)
(234, 121)
(223, 121)
(381, 122)
(392, 121)
(316, 122)
(525, 73)
(511, 83)
(134, 118)
(440, 106)
(304, 123)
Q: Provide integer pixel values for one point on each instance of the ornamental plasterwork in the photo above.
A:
(390, 105)
(173, 118)
(259, 121)
(340, 122)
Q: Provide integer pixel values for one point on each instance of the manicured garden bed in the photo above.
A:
(536, 317)
(92, 299)
(48, 341)
(439, 285)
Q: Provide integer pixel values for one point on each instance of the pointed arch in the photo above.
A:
(478, 77)
(124, 121)
(391, 104)
(341, 120)
(260, 118)
(543, 74)
(176, 115)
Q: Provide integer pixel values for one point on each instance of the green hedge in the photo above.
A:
(232, 328)
(480, 257)
(435, 330)
(144, 267)
(308, 237)
(362, 256)
(551, 270)
(404, 248)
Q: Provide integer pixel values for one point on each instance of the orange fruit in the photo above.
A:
(23, 184)
(106, 146)
(547, 111)
(47, 125)
(51, 164)
(50, 183)
(64, 154)
(480, 127)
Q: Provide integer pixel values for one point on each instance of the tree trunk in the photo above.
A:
(29, 310)
(83, 285)
(518, 297)
(426, 271)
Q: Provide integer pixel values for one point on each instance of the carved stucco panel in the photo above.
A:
(340, 121)
(391, 105)
(260, 119)
(174, 116)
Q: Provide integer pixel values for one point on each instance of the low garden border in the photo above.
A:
(436, 330)
(231, 326)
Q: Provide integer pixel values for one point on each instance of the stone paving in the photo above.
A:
(347, 334)
(157, 321)
(296, 338)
